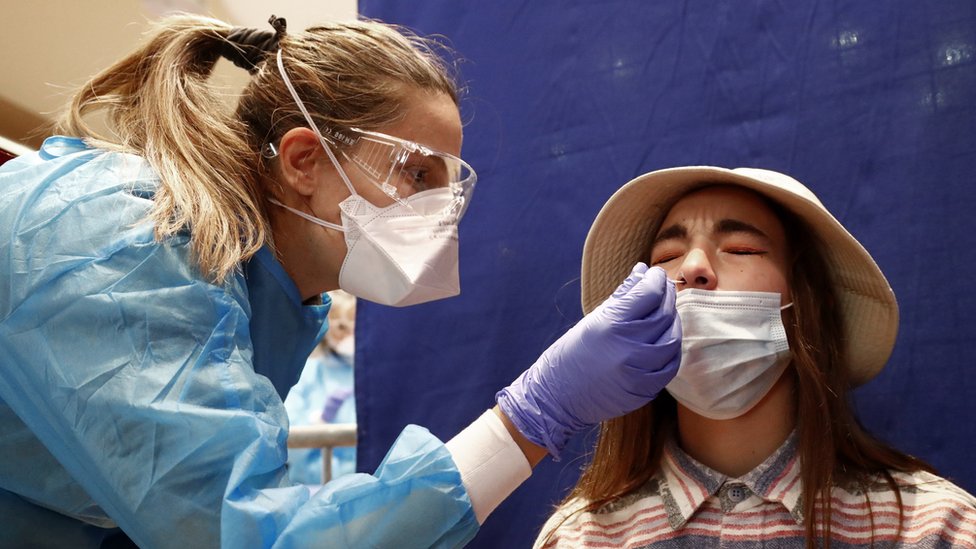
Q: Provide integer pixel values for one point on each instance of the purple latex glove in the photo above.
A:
(615, 360)
(334, 402)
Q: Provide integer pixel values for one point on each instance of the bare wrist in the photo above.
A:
(533, 452)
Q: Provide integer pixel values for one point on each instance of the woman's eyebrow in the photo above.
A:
(675, 231)
(727, 226)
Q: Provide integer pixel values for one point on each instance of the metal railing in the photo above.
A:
(325, 436)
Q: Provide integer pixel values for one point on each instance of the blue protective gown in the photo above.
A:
(136, 394)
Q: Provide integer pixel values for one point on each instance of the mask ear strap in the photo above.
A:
(311, 123)
(311, 218)
(787, 306)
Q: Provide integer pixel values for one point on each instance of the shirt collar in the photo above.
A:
(688, 483)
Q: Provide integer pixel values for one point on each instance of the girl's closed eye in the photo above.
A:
(665, 256)
(746, 251)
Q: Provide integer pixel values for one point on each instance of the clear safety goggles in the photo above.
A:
(398, 167)
(402, 168)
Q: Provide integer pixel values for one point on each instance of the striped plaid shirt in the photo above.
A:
(689, 505)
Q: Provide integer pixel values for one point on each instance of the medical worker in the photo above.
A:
(325, 393)
(163, 285)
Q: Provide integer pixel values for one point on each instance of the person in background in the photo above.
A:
(755, 443)
(164, 284)
(325, 393)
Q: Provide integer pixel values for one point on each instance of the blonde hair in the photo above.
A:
(212, 174)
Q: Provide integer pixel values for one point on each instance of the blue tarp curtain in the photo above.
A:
(871, 104)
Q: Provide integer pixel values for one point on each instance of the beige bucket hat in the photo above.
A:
(623, 230)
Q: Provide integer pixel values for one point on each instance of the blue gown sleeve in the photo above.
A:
(135, 373)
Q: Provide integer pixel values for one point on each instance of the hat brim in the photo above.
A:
(623, 231)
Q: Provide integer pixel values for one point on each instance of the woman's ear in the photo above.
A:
(300, 155)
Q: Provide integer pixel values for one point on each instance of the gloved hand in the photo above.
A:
(615, 360)
(334, 402)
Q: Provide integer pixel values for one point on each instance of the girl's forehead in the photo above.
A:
(721, 202)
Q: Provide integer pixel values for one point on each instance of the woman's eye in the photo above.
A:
(745, 251)
(416, 175)
(417, 179)
(664, 259)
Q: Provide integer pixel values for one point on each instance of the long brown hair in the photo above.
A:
(212, 174)
(834, 448)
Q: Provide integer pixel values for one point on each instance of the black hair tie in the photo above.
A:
(246, 47)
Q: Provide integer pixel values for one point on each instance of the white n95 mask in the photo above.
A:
(733, 350)
(398, 255)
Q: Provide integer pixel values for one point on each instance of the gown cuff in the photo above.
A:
(490, 463)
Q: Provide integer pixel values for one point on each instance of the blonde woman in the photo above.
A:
(162, 287)
(756, 445)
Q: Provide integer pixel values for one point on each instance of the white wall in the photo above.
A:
(50, 47)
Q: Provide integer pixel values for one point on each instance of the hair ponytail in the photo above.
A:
(163, 109)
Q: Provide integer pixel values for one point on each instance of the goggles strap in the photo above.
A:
(311, 123)
(311, 218)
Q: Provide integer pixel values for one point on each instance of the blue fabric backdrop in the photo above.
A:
(869, 103)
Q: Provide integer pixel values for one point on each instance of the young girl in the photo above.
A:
(782, 313)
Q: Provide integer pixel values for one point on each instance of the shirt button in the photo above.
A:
(737, 493)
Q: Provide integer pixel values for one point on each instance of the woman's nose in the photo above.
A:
(696, 271)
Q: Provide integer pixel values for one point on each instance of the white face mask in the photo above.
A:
(399, 255)
(733, 349)
(345, 348)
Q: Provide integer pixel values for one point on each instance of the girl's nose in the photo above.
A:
(696, 271)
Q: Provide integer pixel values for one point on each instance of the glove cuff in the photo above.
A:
(533, 422)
